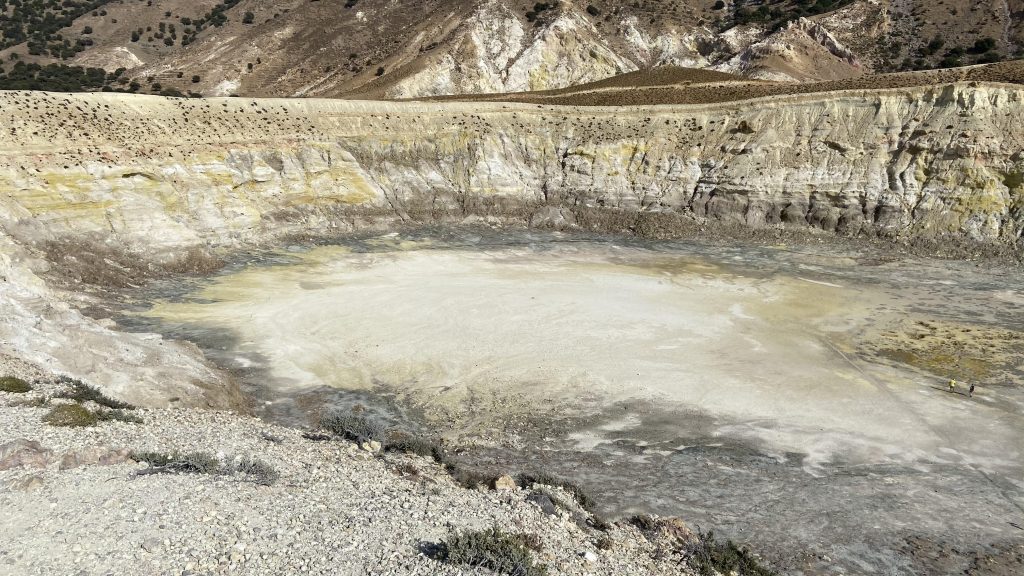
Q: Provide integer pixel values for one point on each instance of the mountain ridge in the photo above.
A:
(406, 49)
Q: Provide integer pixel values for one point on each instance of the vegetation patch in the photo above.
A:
(418, 445)
(105, 415)
(81, 392)
(493, 549)
(59, 78)
(645, 522)
(575, 490)
(14, 385)
(39, 24)
(70, 416)
(179, 462)
(353, 427)
(256, 470)
(32, 402)
(708, 558)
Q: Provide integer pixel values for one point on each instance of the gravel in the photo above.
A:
(335, 509)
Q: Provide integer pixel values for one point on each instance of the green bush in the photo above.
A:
(492, 549)
(70, 416)
(14, 385)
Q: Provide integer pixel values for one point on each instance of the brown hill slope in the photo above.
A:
(418, 48)
(684, 86)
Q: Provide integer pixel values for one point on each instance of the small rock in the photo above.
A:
(589, 557)
(151, 545)
(23, 453)
(504, 482)
(26, 484)
(69, 461)
(544, 502)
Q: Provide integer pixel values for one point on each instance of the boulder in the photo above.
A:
(22, 453)
(504, 482)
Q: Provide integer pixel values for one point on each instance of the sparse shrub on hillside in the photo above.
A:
(32, 402)
(582, 498)
(256, 470)
(177, 462)
(248, 18)
(982, 46)
(493, 549)
(81, 392)
(410, 444)
(708, 557)
(117, 415)
(14, 385)
(645, 522)
(353, 426)
(469, 477)
(70, 416)
(261, 473)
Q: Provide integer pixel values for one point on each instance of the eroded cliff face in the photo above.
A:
(495, 51)
(148, 178)
(944, 161)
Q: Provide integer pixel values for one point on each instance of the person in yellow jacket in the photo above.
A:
(952, 385)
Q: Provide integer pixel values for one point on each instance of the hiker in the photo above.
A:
(952, 385)
(970, 393)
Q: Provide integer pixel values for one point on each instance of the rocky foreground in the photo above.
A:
(74, 501)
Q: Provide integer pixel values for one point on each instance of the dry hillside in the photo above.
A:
(407, 48)
(672, 85)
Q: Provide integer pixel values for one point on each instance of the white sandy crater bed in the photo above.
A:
(768, 355)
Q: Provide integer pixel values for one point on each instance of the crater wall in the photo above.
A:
(945, 161)
(152, 179)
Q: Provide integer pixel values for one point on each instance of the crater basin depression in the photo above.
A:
(635, 355)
